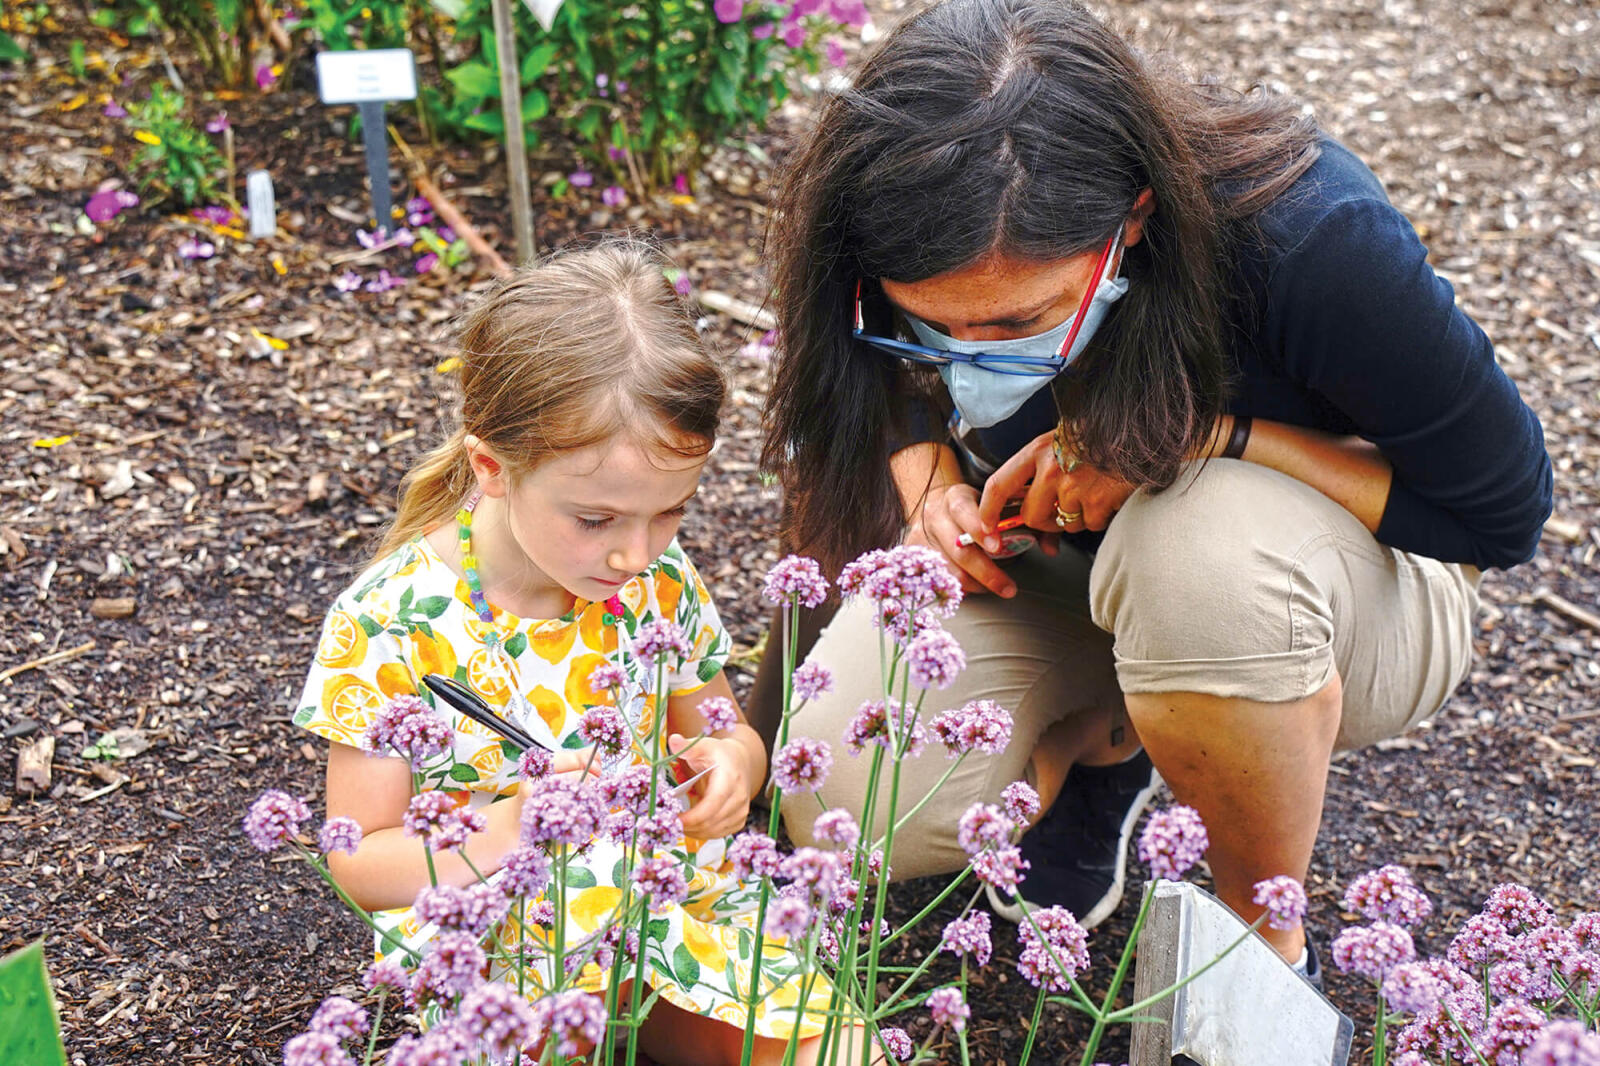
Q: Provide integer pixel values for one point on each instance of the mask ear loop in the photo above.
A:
(1088, 297)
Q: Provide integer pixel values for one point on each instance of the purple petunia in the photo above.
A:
(934, 659)
(753, 855)
(796, 579)
(496, 1019)
(1388, 894)
(1021, 802)
(316, 1049)
(1284, 898)
(812, 680)
(837, 827)
(274, 818)
(1055, 948)
(340, 1018)
(948, 1008)
(339, 834)
(788, 916)
(614, 196)
(559, 812)
(720, 714)
(802, 765)
(605, 728)
(1173, 840)
(660, 880)
(661, 642)
(1371, 951)
(969, 936)
(977, 725)
(572, 1019)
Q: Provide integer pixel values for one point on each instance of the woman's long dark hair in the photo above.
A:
(1024, 127)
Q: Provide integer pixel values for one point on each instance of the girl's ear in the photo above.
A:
(487, 469)
(1144, 205)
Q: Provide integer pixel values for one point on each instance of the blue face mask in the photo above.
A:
(987, 397)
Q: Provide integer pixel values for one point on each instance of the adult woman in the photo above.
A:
(1235, 363)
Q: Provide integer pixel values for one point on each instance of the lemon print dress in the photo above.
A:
(409, 615)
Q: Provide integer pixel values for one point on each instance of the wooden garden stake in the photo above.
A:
(505, 43)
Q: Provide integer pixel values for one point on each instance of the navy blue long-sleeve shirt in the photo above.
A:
(1341, 325)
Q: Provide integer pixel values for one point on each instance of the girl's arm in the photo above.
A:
(738, 758)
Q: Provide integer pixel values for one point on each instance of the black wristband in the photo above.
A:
(1238, 438)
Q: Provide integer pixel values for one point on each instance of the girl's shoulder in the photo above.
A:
(414, 565)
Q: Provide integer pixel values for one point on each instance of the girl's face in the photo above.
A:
(589, 520)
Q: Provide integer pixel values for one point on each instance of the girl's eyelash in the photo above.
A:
(597, 523)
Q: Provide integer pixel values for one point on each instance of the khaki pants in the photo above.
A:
(1237, 582)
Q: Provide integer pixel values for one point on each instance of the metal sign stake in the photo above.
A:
(375, 140)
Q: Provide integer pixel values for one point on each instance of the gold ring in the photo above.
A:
(1066, 518)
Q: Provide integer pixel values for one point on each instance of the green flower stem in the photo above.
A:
(931, 907)
(880, 900)
(655, 778)
(806, 984)
(1121, 975)
(1127, 1012)
(1033, 1028)
(1467, 1037)
(361, 912)
(883, 1008)
(377, 1023)
(1380, 1035)
(900, 823)
(1077, 989)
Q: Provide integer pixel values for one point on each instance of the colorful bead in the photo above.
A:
(469, 561)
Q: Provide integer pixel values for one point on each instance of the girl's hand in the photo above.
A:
(720, 802)
(1087, 498)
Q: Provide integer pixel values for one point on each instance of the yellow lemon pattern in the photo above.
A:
(409, 616)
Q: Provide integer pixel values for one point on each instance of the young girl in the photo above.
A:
(529, 548)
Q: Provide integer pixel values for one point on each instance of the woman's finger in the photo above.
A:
(1004, 485)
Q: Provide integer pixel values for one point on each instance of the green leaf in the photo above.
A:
(76, 57)
(580, 877)
(573, 742)
(433, 606)
(517, 645)
(304, 715)
(28, 1010)
(104, 17)
(686, 966)
(486, 122)
(474, 78)
(537, 61)
(463, 772)
(535, 106)
(656, 929)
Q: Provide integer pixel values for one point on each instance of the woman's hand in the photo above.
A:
(719, 803)
(946, 512)
(1087, 498)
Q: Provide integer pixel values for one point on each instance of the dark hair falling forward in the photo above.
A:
(1024, 127)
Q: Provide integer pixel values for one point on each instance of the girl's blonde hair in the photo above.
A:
(562, 356)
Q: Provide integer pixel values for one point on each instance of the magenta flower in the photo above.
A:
(1021, 802)
(872, 725)
(789, 917)
(607, 677)
(419, 212)
(384, 281)
(948, 1009)
(1285, 900)
(835, 53)
(426, 262)
(1517, 909)
(802, 765)
(340, 1018)
(812, 680)
(794, 34)
(580, 179)
(442, 824)
(968, 936)
(753, 855)
(339, 834)
(215, 215)
(761, 31)
(1173, 840)
(1388, 894)
(935, 659)
(1371, 951)
(533, 763)
(496, 1020)
(410, 727)
(218, 122)
(837, 827)
(661, 642)
(660, 880)
(114, 110)
(909, 585)
(848, 12)
(107, 204)
(896, 1043)
(680, 183)
(605, 728)
(978, 725)
(1512, 1028)
(796, 579)
(474, 909)
(1055, 948)
(628, 790)
(818, 873)
(1563, 1043)
(316, 1049)
(615, 153)
(1480, 941)
(349, 281)
(451, 969)
(274, 818)
(194, 248)
(728, 10)
(1000, 868)
(265, 76)
(720, 714)
(614, 196)
(1413, 988)
(984, 826)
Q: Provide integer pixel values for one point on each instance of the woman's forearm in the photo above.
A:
(918, 468)
(390, 867)
(1348, 470)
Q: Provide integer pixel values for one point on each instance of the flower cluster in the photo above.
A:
(661, 643)
(890, 724)
(720, 714)
(557, 812)
(1055, 948)
(796, 579)
(802, 765)
(1285, 901)
(979, 725)
(606, 729)
(968, 936)
(1388, 894)
(409, 726)
(910, 586)
(441, 822)
(934, 659)
(812, 680)
(274, 818)
(1173, 840)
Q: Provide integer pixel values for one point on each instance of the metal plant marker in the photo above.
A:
(370, 79)
(1250, 1009)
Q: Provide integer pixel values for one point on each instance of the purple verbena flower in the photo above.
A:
(984, 825)
(660, 880)
(614, 196)
(527, 872)
(968, 936)
(1511, 980)
(661, 642)
(558, 812)
(607, 677)
(837, 827)
(794, 34)
(977, 725)
(812, 680)
(452, 968)
(1000, 868)
(498, 1020)
(753, 854)
(880, 723)
(1563, 1043)
(948, 1008)
(440, 821)
(412, 728)
(801, 765)
(1585, 929)
(895, 1041)
(788, 916)
(1517, 909)
(720, 714)
(604, 727)
(274, 818)
(340, 1018)
(1021, 802)
(474, 909)
(796, 579)
(934, 659)
(573, 1019)
(1284, 898)
(1481, 941)
(534, 763)
(1412, 988)
(661, 828)
(628, 790)
(316, 1049)
(1371, 951)
(385, 974)
(1388, 894)
(1511, 1029)
(1173, 840)
(339, 834)
(814, 871)
(909, 584)
(848, 12)
(1055, 948)
(1582, 971)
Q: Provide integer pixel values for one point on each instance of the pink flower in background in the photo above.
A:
(728, 10)
(265, 76)
(107, 204)
(1055, 949)
(114, 110)
(1021, 802)
(218, 122)
(580, 179)
(384, 282)
(1285, 900)
(196, 249)
(614, 196)
(835, 53)
(680, 183)
(1371, 951)
(761, 33)
(720, 714)
(812, 680)
(616, 154)
(1388, 894)
(794, 34)
(948, 1008)
(274, 818)
(427, 262)
(682, 285)
(848, 12)
(349, 281)
(1173, 840)
(795, 579)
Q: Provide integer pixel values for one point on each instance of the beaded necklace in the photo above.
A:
(469, 562)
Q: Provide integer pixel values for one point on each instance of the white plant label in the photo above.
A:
(544, 11)
(378, 74)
